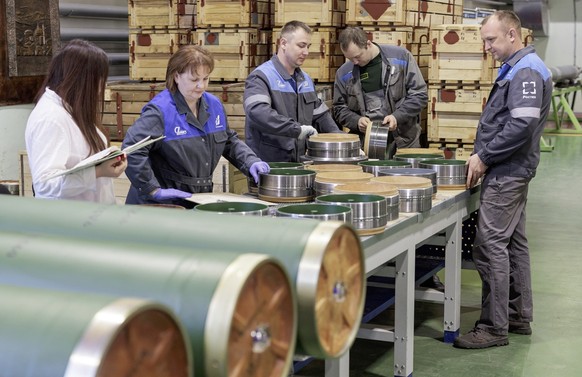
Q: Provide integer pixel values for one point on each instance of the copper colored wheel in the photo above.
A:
(339, 298)
(148, 345)
(262, 335)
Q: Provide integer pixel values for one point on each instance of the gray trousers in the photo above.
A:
(501, 254)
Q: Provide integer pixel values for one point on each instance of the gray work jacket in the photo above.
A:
(510, 128)
(404, 90)
(275, 111)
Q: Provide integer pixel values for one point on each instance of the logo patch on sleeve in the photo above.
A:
(529, 89)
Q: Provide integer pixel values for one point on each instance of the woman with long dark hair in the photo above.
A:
(65, 127)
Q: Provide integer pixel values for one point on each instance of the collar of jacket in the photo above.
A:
(183, 108)
(519, 54)
(283, 71)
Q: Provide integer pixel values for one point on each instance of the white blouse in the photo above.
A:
(55, 143)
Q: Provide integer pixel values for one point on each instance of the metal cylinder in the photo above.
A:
(413, 172)
(376, 166)
(369, 212)
(333, 149)
(565, 73)
(286, 185)
(235, 208)
(54, 333)
(415, 192)
(378, 141)
(416, 158)
(252, 185)
(319, 256)
(389, 192)
(325, 182)
(210, 292)
(450, 174)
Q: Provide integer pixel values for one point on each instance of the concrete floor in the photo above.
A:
(554, 214)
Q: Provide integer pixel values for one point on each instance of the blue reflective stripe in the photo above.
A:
(175, 125)
(276, 81)
(531, 61)
(401, 62)
(347, 76)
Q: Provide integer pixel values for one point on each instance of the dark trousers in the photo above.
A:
(501, 253)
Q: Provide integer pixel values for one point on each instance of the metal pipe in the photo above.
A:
(92, 11)
(95, 34)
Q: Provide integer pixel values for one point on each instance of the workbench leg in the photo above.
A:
(404, 313)
(339, 367)
(453, 261)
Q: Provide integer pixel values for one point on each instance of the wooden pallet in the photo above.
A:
(455, 150)
(235, 14)
(314, 13)
(162, 14)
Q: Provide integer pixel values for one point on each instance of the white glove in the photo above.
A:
(307, 131)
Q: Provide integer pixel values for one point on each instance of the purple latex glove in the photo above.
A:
(167, 194)
(259, 167)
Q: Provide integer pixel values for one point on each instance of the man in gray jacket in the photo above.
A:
(506, 155)
(281, 104)
(378, 83)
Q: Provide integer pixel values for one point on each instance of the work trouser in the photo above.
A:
(501, 253)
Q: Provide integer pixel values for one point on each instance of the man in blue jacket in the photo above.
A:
(506, 155)
(281, 104)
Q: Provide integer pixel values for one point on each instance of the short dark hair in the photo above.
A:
(292, 26)
(353, 35)
(509, 19)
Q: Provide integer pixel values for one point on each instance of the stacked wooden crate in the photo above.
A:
(461, 75)
(156, 29)
(238, 33)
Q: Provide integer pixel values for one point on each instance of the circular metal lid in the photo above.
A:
(444, 162)
(290, 172)
(334, 137)
(237, 208)
(313, 210)
(350, 198)
(418, 156)
(382, 163)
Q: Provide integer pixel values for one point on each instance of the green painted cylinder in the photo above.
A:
(54, 334)
(319, 256)
(222, 298)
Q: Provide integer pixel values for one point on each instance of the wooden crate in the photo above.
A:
(235, 13)
(433, 12)
(454, 112)
(236, 51)
(325, 55)
(391, 12)
(458, 55)
(404, 12)
(150, 50)
(414, 39)
(159, 14)
(313, 12)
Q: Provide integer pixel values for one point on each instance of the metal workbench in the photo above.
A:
(442, 225)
